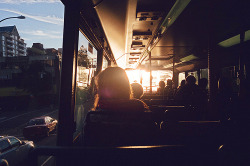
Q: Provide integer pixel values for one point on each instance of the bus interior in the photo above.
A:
(155, 40)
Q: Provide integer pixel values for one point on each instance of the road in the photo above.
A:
(13, 122)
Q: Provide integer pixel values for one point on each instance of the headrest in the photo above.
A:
(132, 105)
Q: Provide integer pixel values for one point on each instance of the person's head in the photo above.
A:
(169, 82)
(190, 80)
(137, 90)
(161, 84)
(183, 82)
(203, 83)
(112, 83)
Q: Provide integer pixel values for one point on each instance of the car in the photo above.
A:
(14, 151)
(39, 127)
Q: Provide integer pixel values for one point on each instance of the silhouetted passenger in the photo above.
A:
(116, 116)
(160, 90)
(113, 87)
(190, 92)
(137, 90)
(183, 82)
(169, 91)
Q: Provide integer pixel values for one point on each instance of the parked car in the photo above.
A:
(40, 126)
(14, 151)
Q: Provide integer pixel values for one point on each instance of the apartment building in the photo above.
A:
(11, 45)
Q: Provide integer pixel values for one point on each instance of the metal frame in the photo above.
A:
(66, 125)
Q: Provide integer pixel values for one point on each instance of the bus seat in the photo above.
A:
(119, 125)
(133, 105)
(192, 132)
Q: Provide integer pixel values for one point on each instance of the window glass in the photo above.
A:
(86, 67)
(204, 74)
(4, 144)
(36, 122)
(14, 141)
(105, 63)
(181, 77)
(29, 64)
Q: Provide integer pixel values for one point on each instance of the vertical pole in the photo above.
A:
(241, 64)
(150, 72)
(173, 78)
(99, 61)
(212, 66)
(66, 123)
(199, 76)
(212, 80)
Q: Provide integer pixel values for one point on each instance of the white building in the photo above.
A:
(11, 45)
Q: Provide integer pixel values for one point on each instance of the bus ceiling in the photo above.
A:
(180, 32)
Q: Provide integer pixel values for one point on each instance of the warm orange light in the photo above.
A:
(143, 77)
(134, 75)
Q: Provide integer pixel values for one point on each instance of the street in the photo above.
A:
(13, 122)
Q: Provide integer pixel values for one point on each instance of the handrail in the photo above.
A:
(127, 155)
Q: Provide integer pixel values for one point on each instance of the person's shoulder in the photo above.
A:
(141, 105)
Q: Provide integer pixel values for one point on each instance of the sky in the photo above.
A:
(43, 23)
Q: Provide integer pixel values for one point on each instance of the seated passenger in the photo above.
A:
(160, 90)
(112, 87)
(183, 82)
(190, 92)
(137, 90)
(117, 119)
(168, 90)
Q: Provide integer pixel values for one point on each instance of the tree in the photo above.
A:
(83, 57)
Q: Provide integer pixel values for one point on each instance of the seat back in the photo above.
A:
(119, 127)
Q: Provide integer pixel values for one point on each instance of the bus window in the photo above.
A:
(86, 67)
(181, 77)
(105, 63)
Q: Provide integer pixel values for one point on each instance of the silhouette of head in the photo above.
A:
(137, 90)
(183, 82)
(190, 80)
(113, 83)
(161, 84)
(169, 82)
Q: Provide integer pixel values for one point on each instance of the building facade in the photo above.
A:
(11, 44)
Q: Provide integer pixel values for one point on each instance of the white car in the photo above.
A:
(13, 150)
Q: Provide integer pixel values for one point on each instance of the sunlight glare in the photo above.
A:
(143, 77)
